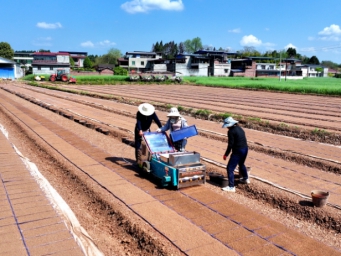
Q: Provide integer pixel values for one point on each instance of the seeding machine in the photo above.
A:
(173, 169)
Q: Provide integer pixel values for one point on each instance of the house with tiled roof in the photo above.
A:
(48, 62)
(140, 62)
(78, 57)
(202, 63)
(311, 70)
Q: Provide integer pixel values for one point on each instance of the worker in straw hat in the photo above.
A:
(237, 143)
(175, 122)
(144, 118)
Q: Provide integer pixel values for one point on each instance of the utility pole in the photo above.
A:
(286, 67)
(280, 66)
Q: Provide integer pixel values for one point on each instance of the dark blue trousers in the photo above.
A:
(138, 141)
(237, 157)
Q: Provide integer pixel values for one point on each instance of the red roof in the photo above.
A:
(332, 71)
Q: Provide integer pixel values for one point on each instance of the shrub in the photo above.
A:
(203, 112)
(224, 115)
(119, 71)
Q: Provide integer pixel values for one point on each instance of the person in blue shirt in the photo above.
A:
(237, 144)
(144, 118)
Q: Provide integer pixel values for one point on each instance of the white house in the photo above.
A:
(140, 61)
(78, 57)
(48, 62)
(203, 63)
(23, 58)
(309, 70)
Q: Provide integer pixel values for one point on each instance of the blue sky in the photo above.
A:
(312, 27)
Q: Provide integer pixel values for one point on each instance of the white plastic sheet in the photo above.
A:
(79, 233)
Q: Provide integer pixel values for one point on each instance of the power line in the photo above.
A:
(321, 48)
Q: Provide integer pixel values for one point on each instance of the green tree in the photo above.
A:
(93, 57)
(181, 48)
(156, 47)
(109, 58)
(72, 62)
(274, 54)
(314, 60)
(291, 52)
(250, 51)
(193, 45)
(6, 50)
(319, 69)
(170, 50)
(87, 63)
(329, 64)
(42, 50)
(304, 59)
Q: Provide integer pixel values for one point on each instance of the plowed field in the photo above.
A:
(284, 169)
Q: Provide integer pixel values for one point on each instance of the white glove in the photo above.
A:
(158, 130)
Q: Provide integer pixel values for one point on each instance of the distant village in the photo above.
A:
(200, 63)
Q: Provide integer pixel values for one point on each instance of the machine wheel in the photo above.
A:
(146, 167)
(64, 78)
(52, 78)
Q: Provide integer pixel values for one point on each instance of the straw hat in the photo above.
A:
(173, 112)
(229, 122)
(146, 109)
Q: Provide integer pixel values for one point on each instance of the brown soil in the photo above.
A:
(114, 228)
(119, 231)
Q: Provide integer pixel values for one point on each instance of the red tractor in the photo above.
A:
(61, 75)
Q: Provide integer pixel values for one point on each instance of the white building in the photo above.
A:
(9, 69)
(309, 70)
(203, 63)
(48, 62)
(23, 58)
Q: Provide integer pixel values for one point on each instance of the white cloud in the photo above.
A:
(311, 38)
(269, 45)
(49, 25)
(102, 44)
(267, 29)
(136, 6)
(250, 40)
(88, 44)
(329, 38)
(43, 41)
(290, 46)
(331, 30)
(308, 49)
(106, 43)
(330, 33)
(236, 30)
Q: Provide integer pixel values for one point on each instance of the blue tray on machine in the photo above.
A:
(158, 142)
(186, 132)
